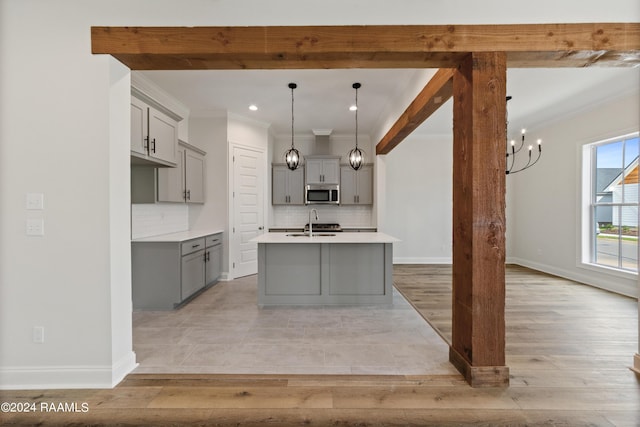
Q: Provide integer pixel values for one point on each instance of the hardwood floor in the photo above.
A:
(569, 349)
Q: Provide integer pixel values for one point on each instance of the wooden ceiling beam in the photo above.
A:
(370, 46)
(437, 91)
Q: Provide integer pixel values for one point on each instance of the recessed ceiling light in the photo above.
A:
(353, 108)
(253, 107)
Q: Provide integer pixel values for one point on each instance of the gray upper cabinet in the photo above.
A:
(356, 187)
(287, 186)
(163, 136)
(194, 175)
(139, 126)
(185, 182)
(322, 169)
(154, 135)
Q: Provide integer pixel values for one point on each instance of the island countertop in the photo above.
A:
(340, 237)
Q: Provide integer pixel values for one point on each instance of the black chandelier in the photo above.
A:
(512, 150)
(356, 155)
(292, 156)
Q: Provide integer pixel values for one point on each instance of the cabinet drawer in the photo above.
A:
(213, 240)
(192, 246)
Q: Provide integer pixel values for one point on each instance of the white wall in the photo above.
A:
(419, 204)
(210, 134)
(544, 223)
(60, 137)
(62, 134)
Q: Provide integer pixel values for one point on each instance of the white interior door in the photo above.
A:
(248, 209)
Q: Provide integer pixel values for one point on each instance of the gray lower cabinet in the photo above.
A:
(325, 273)
(167, 274)
(213, 259)
(192, 278)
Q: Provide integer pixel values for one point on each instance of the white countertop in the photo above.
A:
(179, 236)
(343, 237)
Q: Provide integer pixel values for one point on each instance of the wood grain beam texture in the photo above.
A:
(479, 111)
(437, 91)
(375, 46)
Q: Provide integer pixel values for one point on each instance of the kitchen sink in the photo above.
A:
(306, 235)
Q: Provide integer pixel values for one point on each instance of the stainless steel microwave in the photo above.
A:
(322, 194)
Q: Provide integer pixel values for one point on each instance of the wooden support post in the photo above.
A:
(479, 114)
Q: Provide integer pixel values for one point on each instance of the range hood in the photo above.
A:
(321, 145)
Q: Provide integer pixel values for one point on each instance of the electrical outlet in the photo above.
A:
(35, 227)
(38, 334)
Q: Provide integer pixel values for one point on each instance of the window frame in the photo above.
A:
(587, 233)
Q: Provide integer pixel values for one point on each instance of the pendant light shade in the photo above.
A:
(356, 155)
(292, 156)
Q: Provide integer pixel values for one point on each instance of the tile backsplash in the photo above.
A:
(158, 218)
(346, 216)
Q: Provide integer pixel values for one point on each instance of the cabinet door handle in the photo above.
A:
(146, 143)
(207, 256)
(260, 228)
(195, 246)
(188, 194)
(154, 145)
(354, 199)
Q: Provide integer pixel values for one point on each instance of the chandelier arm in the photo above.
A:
(513, 162)
(535, 161)
(528, 165)
(519, 147)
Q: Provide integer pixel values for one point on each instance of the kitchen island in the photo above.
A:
(325, 269)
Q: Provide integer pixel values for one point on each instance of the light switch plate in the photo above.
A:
(35, 201)
(38, 334)
(35, 227)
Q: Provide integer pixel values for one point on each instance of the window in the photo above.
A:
(611, 219)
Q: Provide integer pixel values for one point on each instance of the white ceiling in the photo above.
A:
(323, 97)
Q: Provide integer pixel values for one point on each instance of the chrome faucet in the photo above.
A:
(312, 211)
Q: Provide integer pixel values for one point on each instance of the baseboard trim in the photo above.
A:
(422, 260)
(66, 377)
(571, 275)
(123, 367)
(480, 376)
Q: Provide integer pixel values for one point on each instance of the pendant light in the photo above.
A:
(292, 156)
(356, 155)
